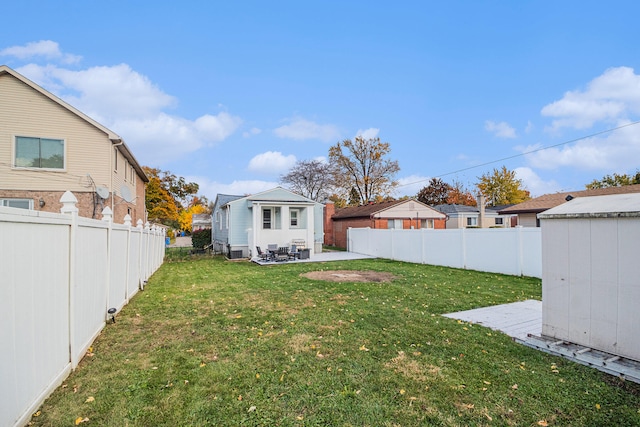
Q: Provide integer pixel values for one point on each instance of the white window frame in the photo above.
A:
(426, 223)
(294, 218)
(7, 202)
(472, 221)
(40, 138)
(268, 221)
(499, 221)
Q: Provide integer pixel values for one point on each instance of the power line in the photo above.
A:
(522, 154)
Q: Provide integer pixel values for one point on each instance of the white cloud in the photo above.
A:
(128, 103)
(411, 185)
(530, 127)
(368, 133)
(44, 48)
(618, 150)
(302, 129)
(536, 185)
(251, 132)
(271, 162)
(501, 130)
(609, 97)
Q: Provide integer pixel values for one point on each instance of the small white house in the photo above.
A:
(273, 217)
(591, 271)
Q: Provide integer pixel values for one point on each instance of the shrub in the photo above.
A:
(201, 238)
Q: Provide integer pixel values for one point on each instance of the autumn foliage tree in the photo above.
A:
(363, 165)
(501, 187)
(438, 192)
(435, 193)
(170, 200)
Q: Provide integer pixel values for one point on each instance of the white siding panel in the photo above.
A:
(604, 284)
(628, 267)
(579, 280)
(555, 279)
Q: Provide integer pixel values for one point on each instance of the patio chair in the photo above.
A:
(293, 252)
(263, 255)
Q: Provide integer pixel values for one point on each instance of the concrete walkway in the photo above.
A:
(517, 319)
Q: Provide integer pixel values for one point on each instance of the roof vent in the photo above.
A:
(569, 198)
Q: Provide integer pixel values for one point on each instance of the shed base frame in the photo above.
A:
(626, 369)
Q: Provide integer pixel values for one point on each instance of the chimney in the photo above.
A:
(481, 208)
(329, 210)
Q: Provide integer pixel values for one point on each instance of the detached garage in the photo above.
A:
(591, 273)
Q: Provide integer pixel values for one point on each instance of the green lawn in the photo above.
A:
(216, 343)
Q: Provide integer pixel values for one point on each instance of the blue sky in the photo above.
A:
(231, 94)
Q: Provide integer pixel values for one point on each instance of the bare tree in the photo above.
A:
(310, 178)
(362, 165)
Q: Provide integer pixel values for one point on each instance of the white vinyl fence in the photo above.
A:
(516, 251)
(59, 274)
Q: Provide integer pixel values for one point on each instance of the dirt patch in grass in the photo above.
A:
(350, 276)
(410, 368)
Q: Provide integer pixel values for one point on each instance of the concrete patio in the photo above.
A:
(321, 257)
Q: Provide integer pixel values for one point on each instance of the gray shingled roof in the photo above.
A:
(548, 201)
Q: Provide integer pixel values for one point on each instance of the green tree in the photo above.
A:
(501, 187)
(435, 193)
(615, 180)
(362, 164)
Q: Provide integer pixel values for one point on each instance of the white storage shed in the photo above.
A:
(591, 273)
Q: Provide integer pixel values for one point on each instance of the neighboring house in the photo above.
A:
(400, 214)
(48, 147)
(528, 211)
(200, 222)
(273, 217)
(461, 216)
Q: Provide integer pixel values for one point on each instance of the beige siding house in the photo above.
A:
(48, 147)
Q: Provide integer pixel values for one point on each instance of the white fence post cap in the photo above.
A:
(127, 220)
(68, 201)
(139, 223)
(107, 214)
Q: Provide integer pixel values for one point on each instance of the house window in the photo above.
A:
(17, 203)
(41, 153)
(266, 218)
(219, 219)
(394, 223)
(472, 221)
(115, 160)
(426, 223)
(499, 221)
(293, 217)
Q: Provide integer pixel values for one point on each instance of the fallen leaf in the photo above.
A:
(515, 386)
(363, 348)
(402, 391)
(252, 409)
(486, 382)
(89, 399)
(81, 420)
(543, 423)
(597, 406)
(257, 376)
(240, 397)
(37, 414)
